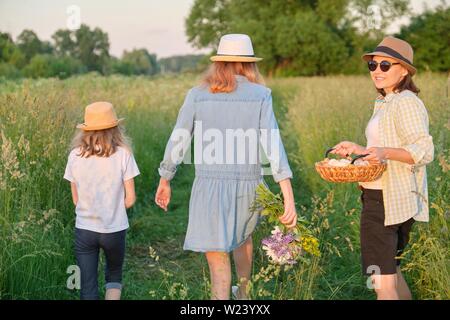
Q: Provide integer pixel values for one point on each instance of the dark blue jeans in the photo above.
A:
(87, 250)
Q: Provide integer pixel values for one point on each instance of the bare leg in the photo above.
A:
(220, 270)
(385, 286)
(243, 257)
(402, 287)
(113, 294)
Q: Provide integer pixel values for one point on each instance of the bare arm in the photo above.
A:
(377, 155)
(130, 194)
(73, 187)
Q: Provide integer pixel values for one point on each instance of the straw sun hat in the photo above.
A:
(99, 116)
(397, 49)
(235, 48)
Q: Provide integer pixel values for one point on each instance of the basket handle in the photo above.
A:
(359, 157)
(328, 151)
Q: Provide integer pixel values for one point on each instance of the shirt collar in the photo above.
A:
(389, 96)
(240, 78)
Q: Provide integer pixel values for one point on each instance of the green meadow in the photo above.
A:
(37, 120)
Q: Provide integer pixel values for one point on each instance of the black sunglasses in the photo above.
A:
(384, 65)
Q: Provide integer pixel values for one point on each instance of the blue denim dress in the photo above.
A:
(235, 134)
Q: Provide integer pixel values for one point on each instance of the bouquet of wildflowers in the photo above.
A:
(283, 246)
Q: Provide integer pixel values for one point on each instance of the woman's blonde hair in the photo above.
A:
(220, 75)
(101, 143)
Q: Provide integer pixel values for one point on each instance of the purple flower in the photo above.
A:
(281, 248)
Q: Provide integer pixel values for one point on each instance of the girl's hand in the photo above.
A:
(289, 218)
(376, 155)
(346, 148)
(163, 194)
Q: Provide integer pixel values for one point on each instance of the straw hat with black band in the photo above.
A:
(397, 49)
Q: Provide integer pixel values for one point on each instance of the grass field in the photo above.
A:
(37, 119)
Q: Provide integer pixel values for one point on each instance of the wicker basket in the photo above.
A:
(350, 173)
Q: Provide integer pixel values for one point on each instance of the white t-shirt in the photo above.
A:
(373, 140)
(101, 191)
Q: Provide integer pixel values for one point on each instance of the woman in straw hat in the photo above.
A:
(101, 170)
(397, 134)
(232, 104)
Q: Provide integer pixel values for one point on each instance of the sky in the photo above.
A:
(157, 25)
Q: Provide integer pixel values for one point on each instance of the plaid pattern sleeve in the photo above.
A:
(411, 121)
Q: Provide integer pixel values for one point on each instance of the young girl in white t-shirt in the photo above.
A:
(101, 168)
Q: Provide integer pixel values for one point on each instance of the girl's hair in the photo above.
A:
(101, 143)
(220, 75)
(406, 83)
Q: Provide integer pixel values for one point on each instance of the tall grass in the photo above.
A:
(37, 119)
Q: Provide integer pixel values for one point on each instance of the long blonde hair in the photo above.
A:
(101, 143)
(220, 75)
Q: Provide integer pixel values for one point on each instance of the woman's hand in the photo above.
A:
(346, 148)
(163, 194)
(376, 155)
(289, 217)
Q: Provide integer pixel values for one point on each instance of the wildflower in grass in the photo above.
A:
(178, 291)
(2, 182)
(23, 145)
(283, 247)
(152, 253)
(9, 160)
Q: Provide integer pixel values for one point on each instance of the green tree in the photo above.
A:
(10, 53)
(64, 67)
(429, 35)
(302, 54)
(307, 37)
(30, 44)
(46, 65)
(65, 43)
(91, 47)
(185, 63)
(140, 61)
(207, 21)
(39, 66)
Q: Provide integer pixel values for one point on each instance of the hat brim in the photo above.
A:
(235, 58)
(410, 67)
(85, 127)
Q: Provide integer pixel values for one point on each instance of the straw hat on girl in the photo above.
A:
(99, 116)
(235, 48)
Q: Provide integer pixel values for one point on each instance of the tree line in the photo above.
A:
(80, 51)
(295, 38)
(320, 37)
